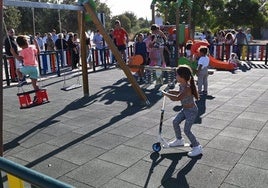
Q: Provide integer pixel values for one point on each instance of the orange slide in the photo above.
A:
(218, 64)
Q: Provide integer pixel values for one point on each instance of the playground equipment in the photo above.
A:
(71, 87)
(89, 8)
(25, 98)
(134, 62)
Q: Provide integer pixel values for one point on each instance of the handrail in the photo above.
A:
(31, 176)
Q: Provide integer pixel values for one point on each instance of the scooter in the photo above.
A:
(161, 142)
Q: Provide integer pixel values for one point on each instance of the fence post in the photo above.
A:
(6, 70)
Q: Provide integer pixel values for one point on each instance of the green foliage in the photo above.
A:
(211, 14)
(12, 17)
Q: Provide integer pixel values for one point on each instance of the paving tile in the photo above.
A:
(54, 167)
(74, 182)
(214, 123)
(247, 176)
(229, 144)
(65, 139)
(255, 158)
(142, 141)
(204, 132)
(117, 183)
(228, 116)
(36, 153)
(196, 175)
(231, 108)
(254, 116)
(128, 130)
(124, 155)
(80, 153)
(227, 185)
(247, 123)
(219, 158)
(240, 133)
(96, 172)
(261, 141)
(145, 174)
(106, 141)
(59, 128)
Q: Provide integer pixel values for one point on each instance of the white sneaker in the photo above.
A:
(176, 142)
(195, 151)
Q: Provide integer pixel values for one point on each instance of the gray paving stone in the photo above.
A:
(65, 139)
(80, 153)
(219, 158)
(74, 182)
(228, 116)
(128, 130)
(142, 141)
(167, 131)
(240, 133)
(247, 176)
(258, 108)
(58, 129)
(214, 123)
(124, 155)
(196, 175)
(106, 141)
(255, 158)
(254, 116)
(145, 174)
(36, 153)
(176, 157)
(227, 185)
(34, 139)
(231, 108)
(204, 132)
(96, 172)
(240, 101)
(229, 144)
(261, 141)
(54, 167)
(247, 123)
(116, 183)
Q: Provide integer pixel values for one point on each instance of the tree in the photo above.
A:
(12, 17)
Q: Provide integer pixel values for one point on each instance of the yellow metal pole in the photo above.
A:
(115, 51)
(81, 26)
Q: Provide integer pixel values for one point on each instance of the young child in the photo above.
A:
(202, 70)
(189, 112)
(28, 56)
(234, 60)
(140, 49)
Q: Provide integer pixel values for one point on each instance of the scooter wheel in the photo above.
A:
(156, 147)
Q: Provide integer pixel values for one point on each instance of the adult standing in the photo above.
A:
(240, 40)
(73, 50)
(61, 43)
(50, 43)
(54, 35)
(39, 41)
(98, 41)
(121, 38)
(14, 64)
(160, 40)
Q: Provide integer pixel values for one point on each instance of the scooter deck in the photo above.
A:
(180, 146)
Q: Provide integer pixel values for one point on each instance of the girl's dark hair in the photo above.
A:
(203, 49)
(21, 40)
(185, 72)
